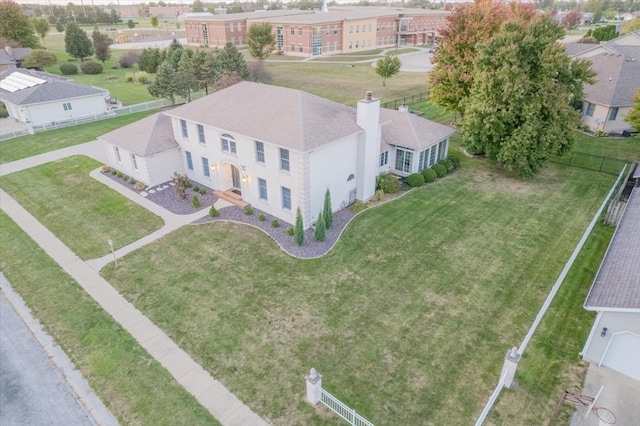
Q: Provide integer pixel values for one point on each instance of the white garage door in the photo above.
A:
(623, 355)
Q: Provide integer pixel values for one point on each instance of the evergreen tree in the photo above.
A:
(76, 42)
(205, 69)
(321, 229)
(186, 79)
(298, 231)
(101, 43)
(327, 212)
(230, 61)
(16, 26)
(165, 85)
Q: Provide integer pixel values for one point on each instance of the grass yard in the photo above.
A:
(83, 213)
(408, 318)
(30, 145)
(135, 387)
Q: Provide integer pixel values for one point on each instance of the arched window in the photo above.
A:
(228, 144)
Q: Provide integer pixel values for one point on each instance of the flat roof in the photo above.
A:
(617, 285)
(269, 14)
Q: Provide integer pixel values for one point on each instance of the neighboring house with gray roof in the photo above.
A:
(145, 150)
(617, 67)
(11, 58)
(614, 340)
(35, 97)
(279, 149)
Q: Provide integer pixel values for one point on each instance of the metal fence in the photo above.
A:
(145, 106)
(598, 163)
(409, 100)
(335, 405)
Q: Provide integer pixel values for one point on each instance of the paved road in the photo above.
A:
(32, 391)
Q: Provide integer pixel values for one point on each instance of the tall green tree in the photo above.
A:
(76, 42)
(39, 59)
(518, 112)
(631, 26)
(388, 66)
(165, 85)
(633, 117)
(186, 78)
(261, 40)
(230, 61)
(205, 68)
(321, 228)
(42, 27)
(154, 22)
(16, 26)
(298, 230)
(197, 6)
(101, 44)
(327, 212)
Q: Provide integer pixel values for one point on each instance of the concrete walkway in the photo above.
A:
(216, 398)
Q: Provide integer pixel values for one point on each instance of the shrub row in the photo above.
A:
(438, 170)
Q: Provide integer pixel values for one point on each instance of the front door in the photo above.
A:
(235, 177)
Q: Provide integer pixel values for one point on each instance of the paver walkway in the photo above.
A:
(216, 398)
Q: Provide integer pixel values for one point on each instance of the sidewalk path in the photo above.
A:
(221, 403)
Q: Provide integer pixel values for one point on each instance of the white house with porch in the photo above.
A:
(280, 149)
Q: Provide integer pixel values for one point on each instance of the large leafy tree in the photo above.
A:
(261, 40)
(633, 117)
(16, 26)
(101, 43)
(518, 111)
(388, 66)
(230, 62)
(166, 83)
(39, 59)
(76, 42)
(42, 27)
(632, 25)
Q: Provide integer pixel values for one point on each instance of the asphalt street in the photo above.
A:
(32, 391)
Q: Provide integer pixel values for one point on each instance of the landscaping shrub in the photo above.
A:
(248, 211)
(440, 170)
(106, 168)
(90, 67)
(379, 194)
(430, 175)
(415, 179)
(196, 189)
(290, 231)
(455, 161)
(68, 69)
(203, 191)
(321, 228)
(132, 181)
(128, 77)
(113, 172)
(359, 206)
(120, 175)
(600, 133)
(195, 201)
(388, 183)
(139, 186)
(129, 59)
(275, 224)
(4, 113)
(327, 213)
(182, 183)
(262, 218)
(448, 164)
(298, 232)
(213, 212)
(141, 77)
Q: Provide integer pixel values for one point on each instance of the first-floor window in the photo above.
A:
(286, 198)
(384, 158)
(189, 160)
(66, 106)
(205, 167)
(442, 150)
(423, 161)
(117, 150)
(613, 114)
(590, 108)
(262, 189)
(134, 162)
(432, 156)
(403, 160)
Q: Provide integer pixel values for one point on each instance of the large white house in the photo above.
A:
(35, 97)
(280, 149)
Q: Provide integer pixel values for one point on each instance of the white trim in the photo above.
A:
(604, 353)
(591, 334)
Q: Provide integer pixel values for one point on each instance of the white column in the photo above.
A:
(314, 386)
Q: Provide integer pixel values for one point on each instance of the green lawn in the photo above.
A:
(83, 213)
(408, 317)
(30, 145)
(133, 386)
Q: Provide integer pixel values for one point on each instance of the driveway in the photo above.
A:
(621, 395)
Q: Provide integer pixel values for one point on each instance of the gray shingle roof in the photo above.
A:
(411, 131)
(148, 136)
(18, 54)
(56, 88)
(287, 117)
(617, 285)
(618, 79)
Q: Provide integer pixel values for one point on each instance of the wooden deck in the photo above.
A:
(232, 197)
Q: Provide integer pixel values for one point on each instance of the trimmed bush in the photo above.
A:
(389, 183)
(290, 231)
(248, 211)
(414, 180)
(195, 202)
(430, 175)
(114, 172)
(379, 194)
(455, 161)
(68, 69)
(128, 77)
(359, 206)
(139, 186)
(275, 224)
(213, 212)
(119, 174)
(90, 67)
(203, 191)
(141, 77)
(106, 168)
(196, 189)
(132, 181)
(448, 164)
(440, 170)
(262, 218)
(129, 59)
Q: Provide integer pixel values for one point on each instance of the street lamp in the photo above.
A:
(110, 242)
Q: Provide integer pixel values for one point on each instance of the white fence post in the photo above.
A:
(511, 360)
(314, 386)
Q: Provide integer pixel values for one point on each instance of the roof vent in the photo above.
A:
(368, 95)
